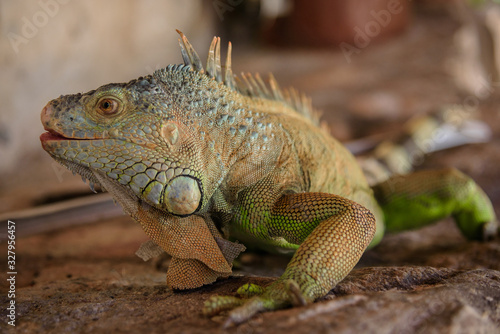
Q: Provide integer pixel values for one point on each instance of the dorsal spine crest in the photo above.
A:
(251, 85)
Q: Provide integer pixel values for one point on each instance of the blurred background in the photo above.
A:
(368, 65)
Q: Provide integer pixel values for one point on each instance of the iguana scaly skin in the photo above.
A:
(195, 159)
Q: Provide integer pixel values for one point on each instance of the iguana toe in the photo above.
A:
(217, 304)
(249, 290)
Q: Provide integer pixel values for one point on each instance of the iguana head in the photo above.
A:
(127, 132)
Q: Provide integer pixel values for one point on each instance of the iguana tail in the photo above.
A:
(449, 127)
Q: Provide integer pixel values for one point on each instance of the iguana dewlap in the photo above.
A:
(196, 158)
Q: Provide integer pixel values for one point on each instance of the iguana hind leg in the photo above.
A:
(414, 200)
(341, 231)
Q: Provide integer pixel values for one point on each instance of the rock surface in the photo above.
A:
(100, 287)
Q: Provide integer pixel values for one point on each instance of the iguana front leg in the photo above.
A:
(333, 232)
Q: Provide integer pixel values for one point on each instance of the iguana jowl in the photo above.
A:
(196, 159)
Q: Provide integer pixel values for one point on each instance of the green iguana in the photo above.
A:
(199, 159)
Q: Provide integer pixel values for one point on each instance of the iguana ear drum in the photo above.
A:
(170, 132)
(182, 196)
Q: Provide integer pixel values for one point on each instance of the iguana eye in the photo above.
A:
(108, 106)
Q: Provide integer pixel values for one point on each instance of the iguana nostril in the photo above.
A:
(182, 196)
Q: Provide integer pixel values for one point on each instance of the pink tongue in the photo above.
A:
(50, 136)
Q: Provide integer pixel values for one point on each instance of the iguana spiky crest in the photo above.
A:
(249, 85)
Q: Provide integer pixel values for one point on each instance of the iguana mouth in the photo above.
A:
(52, 135)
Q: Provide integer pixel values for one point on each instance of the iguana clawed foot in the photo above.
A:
(255, 299)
